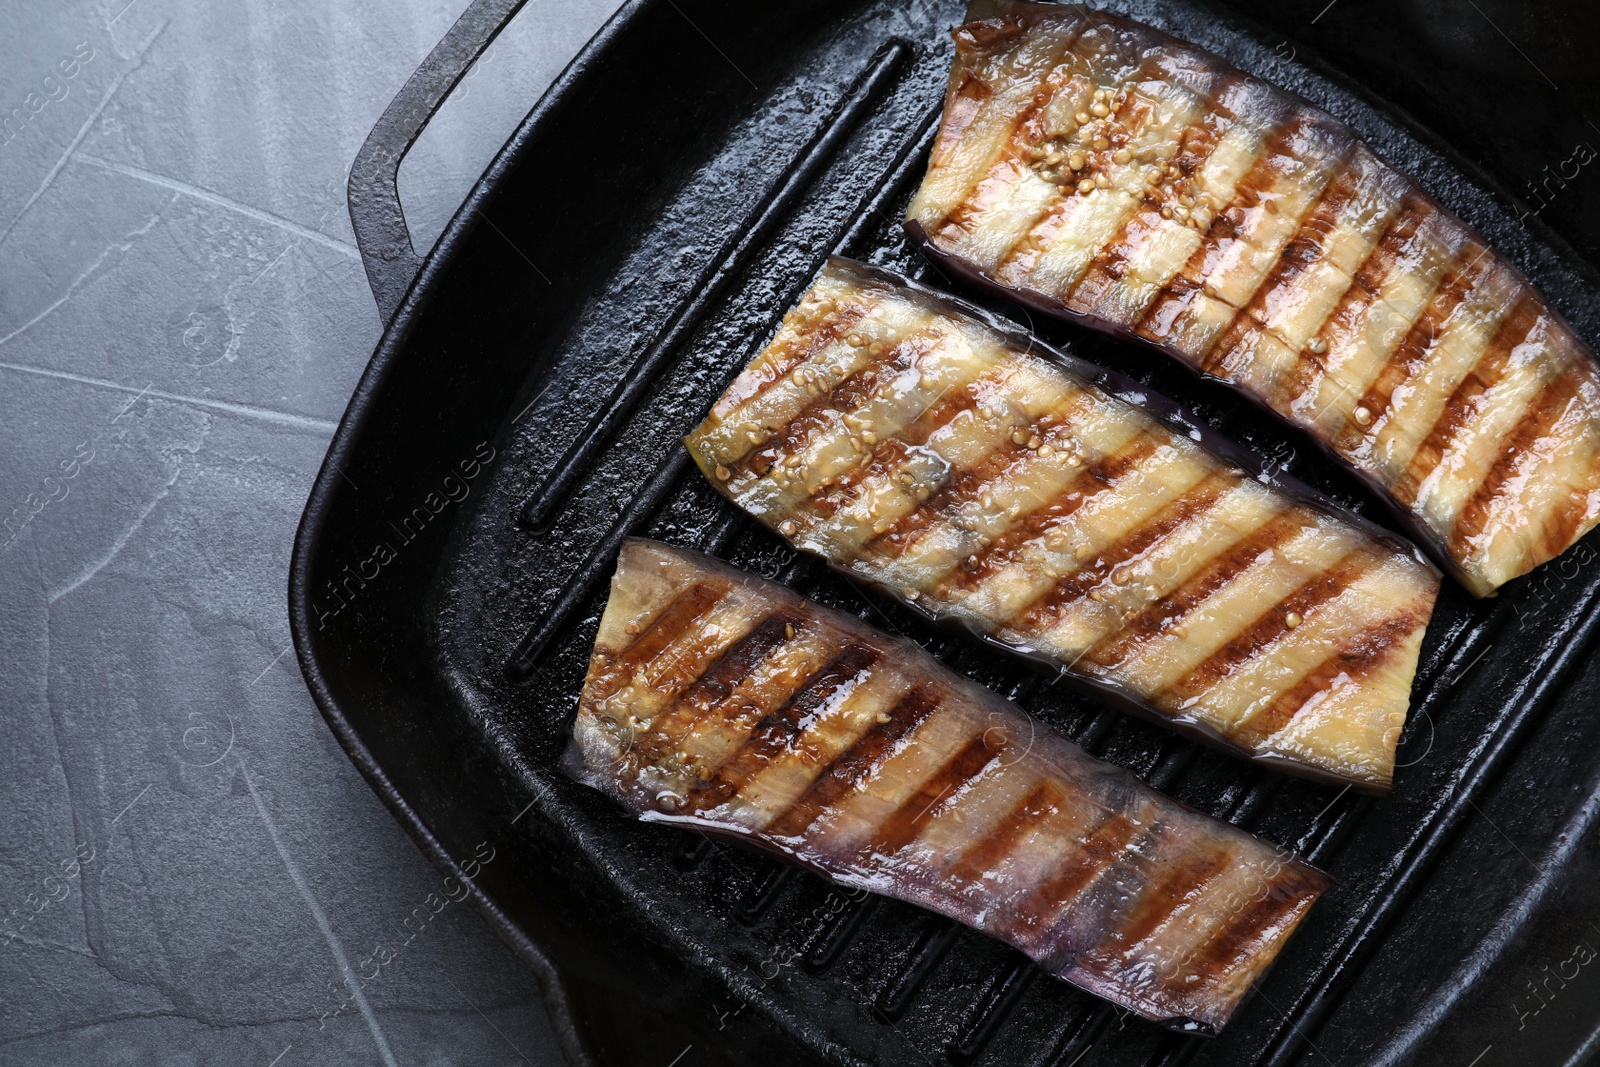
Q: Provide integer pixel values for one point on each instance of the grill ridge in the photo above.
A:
(992, 1008)
(839, 933)
(748, 240)
(536, 642)
(932, 945)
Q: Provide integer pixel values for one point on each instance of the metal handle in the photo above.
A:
(374, 190)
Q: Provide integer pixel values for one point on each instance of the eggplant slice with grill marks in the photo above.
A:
(984, 479)
(1099, 170)
(721, 701)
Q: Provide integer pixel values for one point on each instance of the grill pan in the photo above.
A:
(631, 247)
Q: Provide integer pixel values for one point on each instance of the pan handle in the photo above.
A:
(373, 189)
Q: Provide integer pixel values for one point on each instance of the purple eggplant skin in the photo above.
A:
(724, 702)
(1071, 517)
(1097, 170)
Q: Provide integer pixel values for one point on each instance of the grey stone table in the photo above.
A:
(189, 865)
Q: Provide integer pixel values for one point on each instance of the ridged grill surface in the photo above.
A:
(729, 242)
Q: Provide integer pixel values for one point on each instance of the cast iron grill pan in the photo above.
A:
(631, 248)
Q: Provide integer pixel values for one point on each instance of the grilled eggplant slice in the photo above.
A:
(724, 702)
(1097, 169)
(983, 479)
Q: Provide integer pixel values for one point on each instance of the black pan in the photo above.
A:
(629, 249)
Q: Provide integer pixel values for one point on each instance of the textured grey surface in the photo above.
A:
(191, 871)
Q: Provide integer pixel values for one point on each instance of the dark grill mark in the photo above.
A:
(1350, 316)
(1158, 618)
(956, 491)
(1035, 916)
(1412, 353)
(1133, 116)
(1303, 250)
(717, 681)
(1546, 409)
(1179, 879)
(1273, 165)
(917, 810)
(1043, 801)
(1360, 657)
(996, 182)
(1269, 917)
(846, 395)
(1094, 482)
(887, 458)
(775, 733)
(1045, 87)
(1465, 402)
(1196, 143)
(1046, 610)
(857, 763)
(1271, 625)
(668, 625)
(848, 487)
(790, 353)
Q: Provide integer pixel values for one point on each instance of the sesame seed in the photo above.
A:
(1293, 619)
(1046, 451)
(787, 527)
(1081, 552)
(1317, 345)
(1099, 111)
(1362, 415)
(788, 629)
(723, 473)
(1122, 155)
(1086, 186)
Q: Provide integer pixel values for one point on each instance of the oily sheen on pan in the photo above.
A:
(1095, 168)
(721, 701)
(985, 480)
